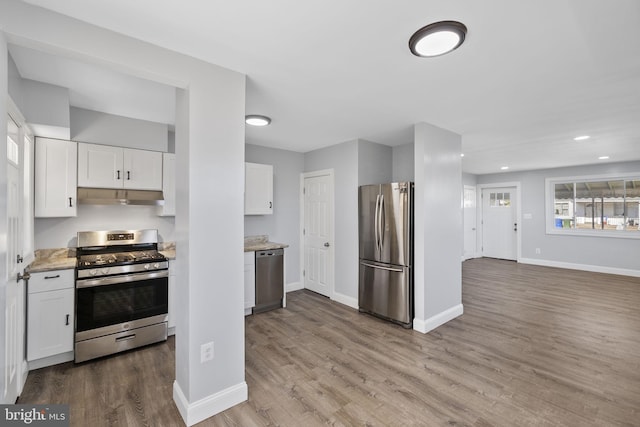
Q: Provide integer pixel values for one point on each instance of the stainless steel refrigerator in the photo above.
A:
(385, 224)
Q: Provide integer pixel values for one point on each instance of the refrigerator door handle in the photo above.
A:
(382, 221)
(375, 226)
(397, 270)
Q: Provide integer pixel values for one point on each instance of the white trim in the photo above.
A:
(583, 267)
(345, 299)
(193, 413)
(439, 319)
(50, 361)
(294, 286)
(332, 251)
(479, 218)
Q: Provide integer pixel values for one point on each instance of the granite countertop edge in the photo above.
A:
(65, 258)
(264, 246)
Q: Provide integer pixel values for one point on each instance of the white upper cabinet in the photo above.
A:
(104, 166)
(142, 169)
(168, 185)
(258, 189)
(55, 178)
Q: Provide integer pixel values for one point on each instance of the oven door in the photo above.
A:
(115, 300)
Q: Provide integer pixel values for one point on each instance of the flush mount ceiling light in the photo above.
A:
(257, 120)
(603, 158)
(581, 138)
(504, 168)
(437, 39)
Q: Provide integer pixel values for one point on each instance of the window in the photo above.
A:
(605, 206)
(497, 200)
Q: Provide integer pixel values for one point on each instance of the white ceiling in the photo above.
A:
(530, 76)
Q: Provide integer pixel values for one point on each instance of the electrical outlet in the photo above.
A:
(206, 352)
(537, 251)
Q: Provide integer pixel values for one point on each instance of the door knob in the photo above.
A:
(326, 244)
(26, 276)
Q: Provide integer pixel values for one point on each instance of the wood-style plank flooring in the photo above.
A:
(536, 346)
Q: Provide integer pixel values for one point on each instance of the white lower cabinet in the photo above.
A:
(171, 323)
(249, 281)
(50, 315)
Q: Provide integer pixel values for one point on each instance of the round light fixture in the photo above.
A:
(504, 168)
(581, 138)
(257, 120)
(438, 38)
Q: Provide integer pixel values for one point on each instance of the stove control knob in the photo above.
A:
(93, 272)
(147, 266)
(104, 271)
(156, 265)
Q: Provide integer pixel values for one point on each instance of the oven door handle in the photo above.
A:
(125, 278)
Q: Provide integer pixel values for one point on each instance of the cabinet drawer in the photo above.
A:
(51, 281)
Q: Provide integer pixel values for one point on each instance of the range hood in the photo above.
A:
(112, 196)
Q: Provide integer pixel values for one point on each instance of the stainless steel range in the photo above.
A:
(122, 292)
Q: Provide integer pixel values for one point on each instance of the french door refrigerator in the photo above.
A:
(385, 225)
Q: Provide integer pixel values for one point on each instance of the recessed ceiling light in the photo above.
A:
(437, 39)
(504, 168)
(603, 157)
(461, 154)
(257, 120)
(581, 138)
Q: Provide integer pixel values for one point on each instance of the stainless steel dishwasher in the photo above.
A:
(269, 280)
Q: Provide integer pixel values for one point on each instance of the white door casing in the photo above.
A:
(14, 298)
(500, 222)
(469, 212)
(318, 232)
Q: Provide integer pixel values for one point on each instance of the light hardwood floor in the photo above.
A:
(536, 346)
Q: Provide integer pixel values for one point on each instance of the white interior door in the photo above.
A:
(14, 303)
(318, 233)
(499, 223)
(469, 208)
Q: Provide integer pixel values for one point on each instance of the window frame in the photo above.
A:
(550, 203)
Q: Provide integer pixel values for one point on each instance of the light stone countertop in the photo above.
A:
(261, 243)
(53, 259)
(65, 258)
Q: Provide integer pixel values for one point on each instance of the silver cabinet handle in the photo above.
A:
(128, 175)
(67, 322)
(326, 244)
(52, 277)
(26, 276)
(118, 174)
(70, 204)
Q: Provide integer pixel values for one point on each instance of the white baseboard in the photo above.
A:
(193, 413)
(346, 300)
(294, 286)
(583, 267)
(51, 360)
(433, 322)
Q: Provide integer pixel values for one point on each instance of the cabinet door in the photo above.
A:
(258, 189)
(55, 178)
(142, 169)
(100, 166)
(249, 281)
(50, 323)
(168, 185)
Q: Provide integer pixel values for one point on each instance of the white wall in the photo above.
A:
(438, 227)
(45, 107)
(374, 163)
(282, 225)
(343, 159)
(605, 253)
(61, 232)
(15, 85)
(209, 151)
(403, 163)
(109, 129)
